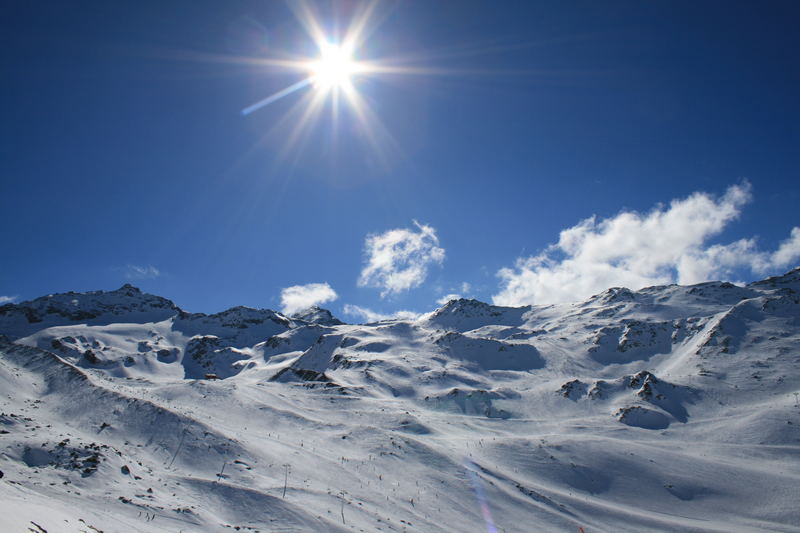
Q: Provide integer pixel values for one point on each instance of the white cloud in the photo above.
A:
(447, 297)
(634, 250)
(141, 272)
(372, 316)
(398, 259)
(7, 299)
(788, 252)
(300, 297)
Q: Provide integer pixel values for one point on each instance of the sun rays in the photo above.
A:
(332, 76)
(334, 85)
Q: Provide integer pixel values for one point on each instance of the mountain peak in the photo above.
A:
(129, 290)
(472, 307)
(613, 295)
(126, 303)
(317, 315)
(467, 313)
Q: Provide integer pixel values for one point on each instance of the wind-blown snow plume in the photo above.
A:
(368, 315)
(141, 272)
(7, 299)
(300, 297)
(398, 259)
(634, 250)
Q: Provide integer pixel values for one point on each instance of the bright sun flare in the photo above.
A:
(334, 68)
(332, 74)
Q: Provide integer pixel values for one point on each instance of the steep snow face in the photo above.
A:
(630, 411)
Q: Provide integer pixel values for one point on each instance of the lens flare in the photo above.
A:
(483, 503)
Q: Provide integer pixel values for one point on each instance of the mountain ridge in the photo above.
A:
(630, 410)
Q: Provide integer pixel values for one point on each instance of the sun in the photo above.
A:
(334, 68)
(342, 59)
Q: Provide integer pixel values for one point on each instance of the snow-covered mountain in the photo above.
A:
(671, 408)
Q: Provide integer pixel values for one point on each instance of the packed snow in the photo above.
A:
(670, 408)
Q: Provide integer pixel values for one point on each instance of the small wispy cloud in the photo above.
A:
(300, 297)
(8, 299)
(368, 315)
(138, 272)
(666, 245)
(398, 260)
(464, 290)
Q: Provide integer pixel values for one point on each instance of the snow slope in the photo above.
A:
(666, 409)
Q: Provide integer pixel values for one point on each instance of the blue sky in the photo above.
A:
(125, 156)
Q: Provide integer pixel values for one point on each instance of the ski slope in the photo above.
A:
(671, 408)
